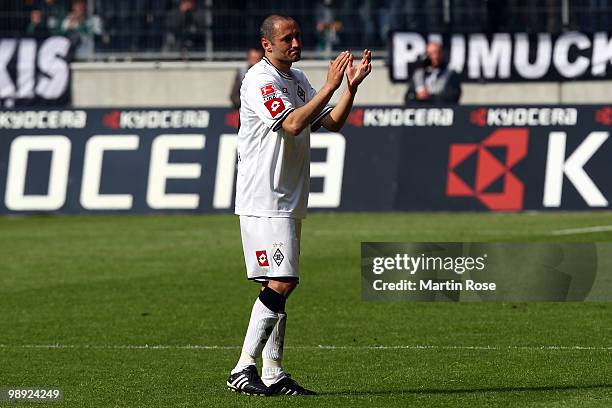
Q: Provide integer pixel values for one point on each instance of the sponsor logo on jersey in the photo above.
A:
(267, 90)
(278, 257)
(301, 93)
(275, 106)
(262, 258)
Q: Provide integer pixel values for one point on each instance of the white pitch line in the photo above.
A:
(120, 346)
(584, 230)
(432, 347)
(319, 347)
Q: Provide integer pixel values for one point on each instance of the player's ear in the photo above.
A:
(266, 45)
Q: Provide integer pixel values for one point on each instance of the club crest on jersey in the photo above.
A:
(301, 93)
(285, 90)
(275, 106)
(262, 258)
(278, 257)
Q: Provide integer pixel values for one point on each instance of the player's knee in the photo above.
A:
(285, 286)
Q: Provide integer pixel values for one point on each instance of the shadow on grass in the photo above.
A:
(470, 390)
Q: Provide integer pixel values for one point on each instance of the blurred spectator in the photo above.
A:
(37, 27)
(121, 22)
(185, 27)
(81, 29)
(434, 82)
(53, 12)
(46, 18)
(327, 26)
(254, 55)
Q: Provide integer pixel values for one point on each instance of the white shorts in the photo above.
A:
(271, 247)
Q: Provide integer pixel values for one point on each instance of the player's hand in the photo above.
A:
(336, 69)
(356, 74)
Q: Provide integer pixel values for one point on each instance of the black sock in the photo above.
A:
(272, 300)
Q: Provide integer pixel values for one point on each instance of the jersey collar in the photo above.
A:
(281, 73)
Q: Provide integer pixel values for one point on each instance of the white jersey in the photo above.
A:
(273, 166)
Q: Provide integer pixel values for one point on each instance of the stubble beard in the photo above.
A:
(295, 56)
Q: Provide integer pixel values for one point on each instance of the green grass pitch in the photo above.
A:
(82, 296)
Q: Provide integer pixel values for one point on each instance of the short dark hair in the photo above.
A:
(268, 29)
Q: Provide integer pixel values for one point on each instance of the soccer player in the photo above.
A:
(278, 110)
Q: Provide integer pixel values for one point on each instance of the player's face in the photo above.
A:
(287, 41)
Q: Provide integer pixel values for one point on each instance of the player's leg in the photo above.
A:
(273, 374)
(264, 313)
(264, 316)
(272, 354)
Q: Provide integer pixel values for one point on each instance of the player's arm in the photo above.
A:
(354, 76)
(298, 119)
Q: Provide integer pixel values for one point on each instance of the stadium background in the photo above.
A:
(145, 310)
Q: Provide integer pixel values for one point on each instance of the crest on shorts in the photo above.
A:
(262, 258)
(278, 257)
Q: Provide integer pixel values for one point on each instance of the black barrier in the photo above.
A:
(384, 159)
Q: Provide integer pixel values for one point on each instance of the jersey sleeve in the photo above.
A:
(268, 101)
(315, 124)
